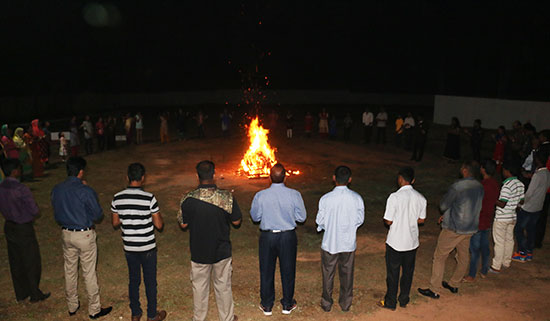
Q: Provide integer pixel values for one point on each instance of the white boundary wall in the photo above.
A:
(492, 112)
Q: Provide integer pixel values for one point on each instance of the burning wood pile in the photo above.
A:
(260, 156)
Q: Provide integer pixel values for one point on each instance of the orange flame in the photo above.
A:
(260, 157)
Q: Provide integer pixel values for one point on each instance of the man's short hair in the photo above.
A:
(10, 165)
(277, 173)
(74, 165)
(407, 173)
(136, 171)
(205, 170)
(472, 167)
(478, 121)
(490, 166)
(342, 174)
(541, 157)
(512, 166)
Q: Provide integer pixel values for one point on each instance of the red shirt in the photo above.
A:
(491, 190)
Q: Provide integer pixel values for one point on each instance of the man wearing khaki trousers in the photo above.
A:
(76, 208)
(207, 211)
(461, 207)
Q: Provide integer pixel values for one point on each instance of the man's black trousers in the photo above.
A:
(24, 258)
(395, 261)
(280, 245)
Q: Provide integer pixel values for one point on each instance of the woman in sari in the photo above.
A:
(10, 150)
(39, 148)
(24, 152)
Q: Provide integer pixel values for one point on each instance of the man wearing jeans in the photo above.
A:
(207, 211)
(479, 243)
(341, 212)
(460, 206)
(76, 208)
(277, 208)
(531, 209)
(138, 213)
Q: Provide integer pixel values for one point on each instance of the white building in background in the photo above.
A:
(492, 112)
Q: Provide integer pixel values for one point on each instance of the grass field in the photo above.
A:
(516, 294)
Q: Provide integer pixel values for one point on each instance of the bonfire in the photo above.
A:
(260, 156)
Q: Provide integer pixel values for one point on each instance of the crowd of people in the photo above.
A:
(30, 146)
(514, 211)
(410, 132)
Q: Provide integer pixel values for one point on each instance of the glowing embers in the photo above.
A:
(260, 156)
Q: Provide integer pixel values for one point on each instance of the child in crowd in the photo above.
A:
(63, 147)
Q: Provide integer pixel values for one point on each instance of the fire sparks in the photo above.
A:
(260, 157)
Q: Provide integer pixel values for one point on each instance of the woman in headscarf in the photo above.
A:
(38, 148)
(10, 149)
(24, 152)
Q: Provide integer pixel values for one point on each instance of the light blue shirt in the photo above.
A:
(341, 212)
(278, 208)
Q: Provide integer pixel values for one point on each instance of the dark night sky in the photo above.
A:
(421, 47)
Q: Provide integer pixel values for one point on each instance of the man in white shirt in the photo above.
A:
(341, 212)
(527, 217)
(368, 119)
(405, 209)
(381, 120)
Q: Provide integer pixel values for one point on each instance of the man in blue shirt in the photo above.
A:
(341, 212)
(75, 209)
(278, 208)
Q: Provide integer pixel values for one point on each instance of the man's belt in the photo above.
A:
(276, 231)
(77, 229)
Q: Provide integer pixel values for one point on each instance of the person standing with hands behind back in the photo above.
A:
(405, 209)
(137, 213)
(341, 212)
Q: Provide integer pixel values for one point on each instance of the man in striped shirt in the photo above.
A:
(137, 213)
(511, 196)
